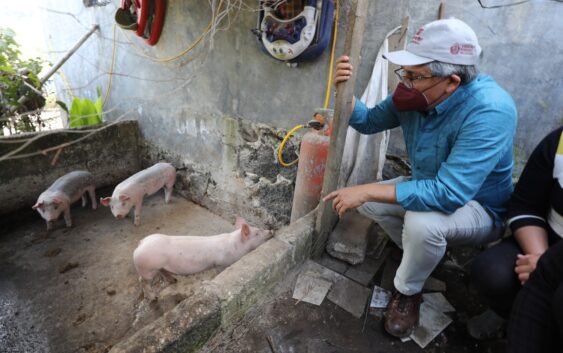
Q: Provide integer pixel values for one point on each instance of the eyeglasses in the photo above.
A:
(408, 81)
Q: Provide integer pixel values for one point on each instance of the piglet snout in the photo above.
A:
(119, 216)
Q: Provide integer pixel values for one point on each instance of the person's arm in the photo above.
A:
(343, 72)
(485, 137)
(530, 203)
(532, 239)
(366, 120)
(373, 120)
(354, 196)
(533, 242)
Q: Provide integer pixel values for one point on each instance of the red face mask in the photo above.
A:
(410, 99)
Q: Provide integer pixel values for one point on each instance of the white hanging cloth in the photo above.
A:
(364, 155)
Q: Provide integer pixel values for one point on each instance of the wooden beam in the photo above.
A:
(441, 9)
(397, 41)
(326, 218)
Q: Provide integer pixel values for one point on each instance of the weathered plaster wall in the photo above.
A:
(111, 155)
(240, 177)
(218, 110)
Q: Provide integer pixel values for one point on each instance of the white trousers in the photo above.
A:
(423, 236)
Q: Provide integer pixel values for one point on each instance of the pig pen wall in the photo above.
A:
(220, 111)
(238, 174)
(111, 155)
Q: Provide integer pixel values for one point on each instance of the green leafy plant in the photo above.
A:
(84, 111)
(18, 78)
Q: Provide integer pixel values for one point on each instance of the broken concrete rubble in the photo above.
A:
(431, 323)
(311, 289)
(364, 272)
(332, 263)
(434, 285)
(350, 296)
(438, 302)
(315, 280)
(380, 298)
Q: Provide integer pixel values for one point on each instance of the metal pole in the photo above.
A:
(69, 53)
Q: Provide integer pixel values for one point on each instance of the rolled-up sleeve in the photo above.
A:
(484, 138)
(373, 120)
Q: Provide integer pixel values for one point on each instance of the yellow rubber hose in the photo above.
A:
(334, 35)
(280, 149)
(327, 95)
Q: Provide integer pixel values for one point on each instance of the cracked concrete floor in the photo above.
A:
(300, 327)
(76, 289)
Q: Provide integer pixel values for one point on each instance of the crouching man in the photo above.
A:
(458, 126)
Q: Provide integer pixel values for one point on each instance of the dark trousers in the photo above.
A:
(493, 276)
(536, 320)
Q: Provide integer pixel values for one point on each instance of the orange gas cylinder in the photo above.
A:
(310, 172)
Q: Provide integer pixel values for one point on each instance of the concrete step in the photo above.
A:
(348, 241)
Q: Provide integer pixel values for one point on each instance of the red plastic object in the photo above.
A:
(310, 172)
(142, 15)
(145, 9)
(158, 22)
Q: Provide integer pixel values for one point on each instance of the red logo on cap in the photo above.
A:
(467, 49)
(462, 49)
(417, 38)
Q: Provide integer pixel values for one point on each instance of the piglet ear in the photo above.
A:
(37, 205)
(239, 222)
(123, 197)
(245, 232)
(105, 201)
(57, 201)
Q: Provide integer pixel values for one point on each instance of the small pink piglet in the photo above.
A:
(185, 254)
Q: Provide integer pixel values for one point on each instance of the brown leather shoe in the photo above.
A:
(402, 314)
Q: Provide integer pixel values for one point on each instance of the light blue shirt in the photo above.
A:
(459, 151)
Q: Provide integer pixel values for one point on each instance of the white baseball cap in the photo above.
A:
(450, 41)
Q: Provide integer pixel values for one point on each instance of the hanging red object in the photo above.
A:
(145, 17)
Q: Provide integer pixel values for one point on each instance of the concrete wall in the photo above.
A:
(111, 155)
(221, 111)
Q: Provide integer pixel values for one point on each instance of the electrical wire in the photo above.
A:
(219, 13)
(12, 154)
(69, 89)
(74, 131)
(212, 22)
(503, 5)
(507, 5)
(110, 73)
(327, 95)
(332, 50)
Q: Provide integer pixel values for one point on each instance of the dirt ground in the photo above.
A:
(76, 289)
(300, 327)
